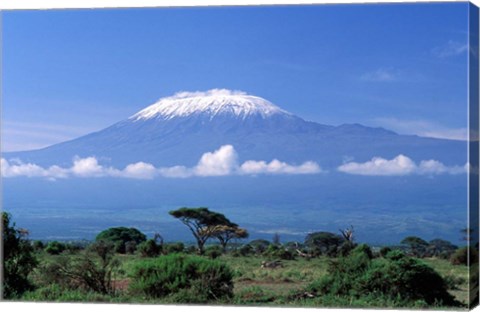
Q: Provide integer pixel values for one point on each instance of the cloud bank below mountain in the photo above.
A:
(222, 162)
(399, 166)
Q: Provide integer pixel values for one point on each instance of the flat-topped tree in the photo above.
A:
(225, 233)
(202, 222)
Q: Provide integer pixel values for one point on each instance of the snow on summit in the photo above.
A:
(213, 102)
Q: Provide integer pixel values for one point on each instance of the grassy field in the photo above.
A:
(253, 285)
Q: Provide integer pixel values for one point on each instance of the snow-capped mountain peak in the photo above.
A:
(212, 102)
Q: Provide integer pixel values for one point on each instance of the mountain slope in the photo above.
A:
(178, 130)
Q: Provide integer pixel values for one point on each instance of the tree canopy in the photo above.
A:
(417, 246)
(225, 233)
(202, 223)
(121, 236)
(18, 259)
(324, 242)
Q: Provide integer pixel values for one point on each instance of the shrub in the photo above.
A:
(174, 248)
(460, 256)
(130, 247)
(279, 252)
(149, 248)
(246, 250)
(259, 245)
(120, 236)
(55, 248)
(38, 245)
(194, 278)
(18, 260)
(92, 271)
(384, 251)
(213, 252)
(396, 277)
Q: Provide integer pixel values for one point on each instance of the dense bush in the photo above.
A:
(174, 248)
(18, 260)
(55, 248)
(395, 277)
(149, 248)
(92, 271)
(186, 277)
(279, 252)
(121, 236)
(461, 256)
(259, 245)
(214, 251)
(384, 251)
(324, 243)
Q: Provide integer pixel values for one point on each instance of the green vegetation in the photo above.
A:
(18, 260)
(183, 278)
(327, 270)
(124, 239)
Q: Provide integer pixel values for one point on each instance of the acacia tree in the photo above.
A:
(417, 246)
(202, 222)
(225, 233)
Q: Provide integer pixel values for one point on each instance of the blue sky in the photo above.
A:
(400, 66)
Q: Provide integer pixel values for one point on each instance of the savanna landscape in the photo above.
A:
(222, 267)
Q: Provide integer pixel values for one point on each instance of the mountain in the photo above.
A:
(178, 130)
(414, 186)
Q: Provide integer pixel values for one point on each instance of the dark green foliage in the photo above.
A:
(243, 251)
(149, 248)
(38, 245)
(193, 278)
(259, 245)
(120, 236)
(396, 277)
(384, 251)
(55, 248)
(461, 256)
(323, 243)
(174, 248)
(214, 251)
(279, 252)
(440, 248)
(417, 247)
(130, 247)
(202, 222)
(18, 260)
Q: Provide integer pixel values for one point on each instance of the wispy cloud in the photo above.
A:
(422, 128)
(399, 166)
(222, 162)
(381, 75)
(18, 136)
(451, 48)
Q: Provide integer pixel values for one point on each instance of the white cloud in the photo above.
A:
(399, 166)
(278, 167)
(452, 48)
(139, 170)
(218, 163)
(16, 168)
(87, 167)
(221, 162)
